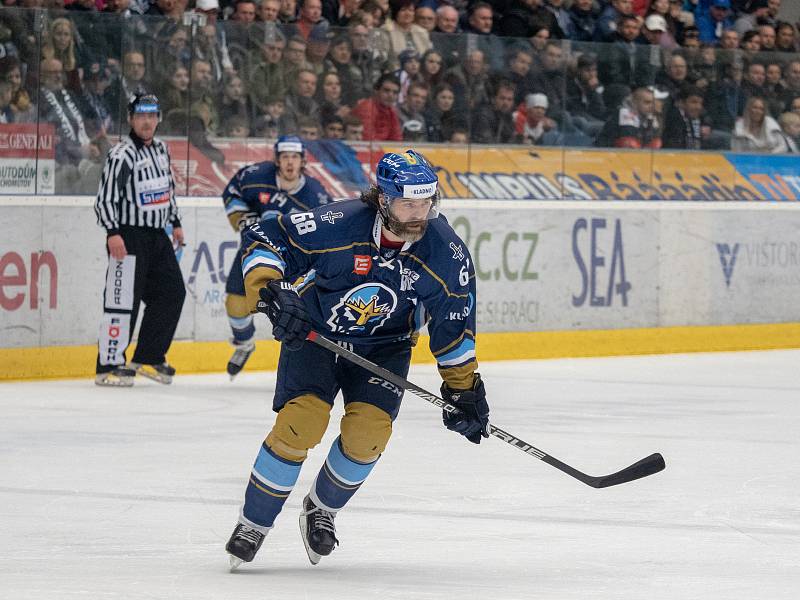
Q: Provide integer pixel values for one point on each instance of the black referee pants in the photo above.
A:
(149, 274)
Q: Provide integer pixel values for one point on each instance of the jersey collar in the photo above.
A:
(376, 234)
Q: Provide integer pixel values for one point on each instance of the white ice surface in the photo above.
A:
(133, 493)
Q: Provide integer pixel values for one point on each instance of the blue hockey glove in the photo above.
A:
(287, 312)
(473, 420)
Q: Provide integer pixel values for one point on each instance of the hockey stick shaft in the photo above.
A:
(647, 466)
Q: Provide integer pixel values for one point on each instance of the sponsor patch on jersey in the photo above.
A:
(363, 309)
(362, 263)
(147, 199)
(263, 197)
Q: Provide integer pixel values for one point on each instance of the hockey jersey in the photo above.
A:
(358, 292)
(254, 190)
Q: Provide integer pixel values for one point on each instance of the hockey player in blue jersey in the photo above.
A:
(369, 273)
(256, 192)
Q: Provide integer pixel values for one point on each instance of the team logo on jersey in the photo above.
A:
(330, 216)
(263, 197)
(363, 309)
(362, 264)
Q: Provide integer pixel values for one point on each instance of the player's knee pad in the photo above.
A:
(300, 425)
(236, 306)
(365, 430)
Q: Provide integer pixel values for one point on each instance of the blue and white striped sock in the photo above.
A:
(271, 481)
(339, 478)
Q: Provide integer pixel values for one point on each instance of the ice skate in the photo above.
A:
(162, 373)
(318, 530)
(243, 544)
(116, 377)
(242, 352)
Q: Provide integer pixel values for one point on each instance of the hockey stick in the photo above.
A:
(647, 466)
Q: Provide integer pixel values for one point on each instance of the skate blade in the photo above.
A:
(234, 562)
(117, 382)
(150, 373)
(313, 557)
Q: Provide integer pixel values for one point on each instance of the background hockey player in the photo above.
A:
(135, 202)
(263, 190)
(379, 268)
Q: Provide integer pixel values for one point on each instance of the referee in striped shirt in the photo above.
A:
(135, 202)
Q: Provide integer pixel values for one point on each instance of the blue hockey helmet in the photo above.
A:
(289, 143)
(402, 180)
(406, 175)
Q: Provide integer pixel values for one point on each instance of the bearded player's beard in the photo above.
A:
(412, 231)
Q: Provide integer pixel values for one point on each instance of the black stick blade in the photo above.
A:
(647, 466)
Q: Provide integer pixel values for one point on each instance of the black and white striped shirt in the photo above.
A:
(136, 188)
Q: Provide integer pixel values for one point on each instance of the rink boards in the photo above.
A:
(582, 278)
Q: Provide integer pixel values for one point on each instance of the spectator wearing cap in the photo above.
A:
(403, 33)
(531, 122)
(754, 10)
(96, 82)
(685, 125)
(411, 113)
(408, 72)
(523, 18)
(625, 62)
(266, 75)
(609, 20)
(378, 113)
(584, 96)
(583, 17)
(492, 121)
(656, 32)
(319, 43)
(634, 124)
(713, 22)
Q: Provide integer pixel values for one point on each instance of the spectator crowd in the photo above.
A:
(684, 74)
